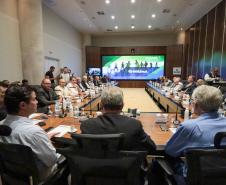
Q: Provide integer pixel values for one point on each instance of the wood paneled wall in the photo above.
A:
(205, 43)
(174, 58)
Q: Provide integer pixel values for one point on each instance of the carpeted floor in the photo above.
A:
(139, 98)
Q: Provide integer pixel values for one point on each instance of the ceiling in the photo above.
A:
(82, 14)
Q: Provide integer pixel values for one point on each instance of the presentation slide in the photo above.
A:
(135, 67)
(94, 71)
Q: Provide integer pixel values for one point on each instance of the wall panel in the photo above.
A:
(205, 43)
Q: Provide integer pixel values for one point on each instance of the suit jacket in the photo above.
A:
(109, 123)
(189, 88)
(45, 99)
(96, 83)
(85, 85)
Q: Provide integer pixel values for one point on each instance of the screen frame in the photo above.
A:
(164, 72)
(100, 68)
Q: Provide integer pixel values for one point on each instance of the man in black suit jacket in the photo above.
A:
(112, 122)
(45, 96)
(189, 85)
(85, 82)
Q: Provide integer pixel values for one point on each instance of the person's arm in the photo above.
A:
(183, 138)
(145, 140)
(43, 148)
(43, 100)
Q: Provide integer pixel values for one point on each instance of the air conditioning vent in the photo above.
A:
(100, 13)
(109, 30)
(166, 11)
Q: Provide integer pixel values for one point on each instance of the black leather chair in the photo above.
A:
(97, 160)
(18, 166)
(205, 166)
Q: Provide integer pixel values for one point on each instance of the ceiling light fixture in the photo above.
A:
(153, 15)
(107, 1)
(132, 27)
(132, 16)
(116, 27)
(159, 1)
(149, 26)
(112, 17)
(133, 1)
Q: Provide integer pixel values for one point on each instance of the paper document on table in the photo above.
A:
(173, 130)
(35, 115)
(36, 121)
(62, 130)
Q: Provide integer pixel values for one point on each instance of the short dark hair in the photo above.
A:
(52, 67)
(16, 94)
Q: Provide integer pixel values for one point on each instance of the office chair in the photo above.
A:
(205, 166)
(97, 160)
(18, 166)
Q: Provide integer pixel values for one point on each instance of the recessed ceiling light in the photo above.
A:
(153, 15)
(132, 16)
(181, 29)
(132, 27)
(149, 26)
(133, 1)
(159, 1)
(112, 17)
(116, 27)
(107, 1)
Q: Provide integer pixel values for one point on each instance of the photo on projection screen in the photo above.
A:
(135, 67)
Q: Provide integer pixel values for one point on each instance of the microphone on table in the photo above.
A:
(176, 121)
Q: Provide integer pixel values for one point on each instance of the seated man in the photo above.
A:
(20, 102)
(73, 87)
(79, 83)
(45, 96)
(97, 81)
(213, 75)
(177, 85)
(189, 85)
(61, 90)
(199, 132)
(85, 82)
(3, 112)
(112, 122)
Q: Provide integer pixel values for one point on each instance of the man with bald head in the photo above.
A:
(45, 96)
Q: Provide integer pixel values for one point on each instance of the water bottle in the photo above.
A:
(76, 111)
(71, 112)
(186, 114)
(57, 108)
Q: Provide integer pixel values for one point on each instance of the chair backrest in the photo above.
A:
(207, 166)
(17, 165)
(98, 145)
(110, 168)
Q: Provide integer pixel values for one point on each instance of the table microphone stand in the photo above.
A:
(176, 121)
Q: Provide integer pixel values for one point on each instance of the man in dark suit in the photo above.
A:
(113, 122)
(189, 85)
(45, 96)
(85, 82)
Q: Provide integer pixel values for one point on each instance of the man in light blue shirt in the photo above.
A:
(199, 132)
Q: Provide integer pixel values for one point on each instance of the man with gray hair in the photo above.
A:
(112, 122)
(199, 132)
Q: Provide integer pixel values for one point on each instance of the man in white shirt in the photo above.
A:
(61, 90)
(213, 75)
(85, 82)
(65, 75)
(177, 85)
(20, 102)
(73, 87)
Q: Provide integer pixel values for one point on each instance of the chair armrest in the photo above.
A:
(164, 164)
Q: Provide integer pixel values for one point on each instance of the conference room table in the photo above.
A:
(159, 135)
(168, 103)
(159, 132)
